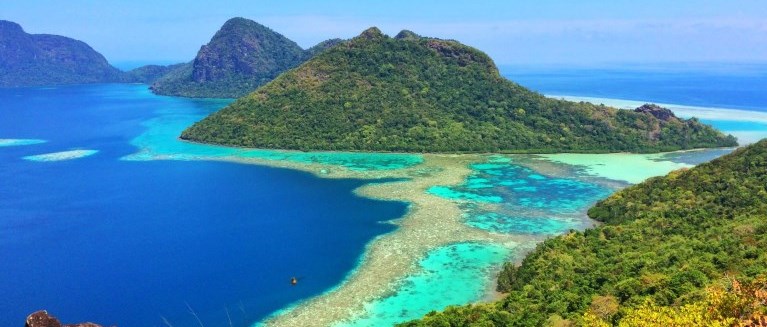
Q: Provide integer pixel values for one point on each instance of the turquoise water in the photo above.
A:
(694, 157)
(525, 201)
(160, 141)
(503, 197)
(451, 275)
(736, 125)
(499, 196)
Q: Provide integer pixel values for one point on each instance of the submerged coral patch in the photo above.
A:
(521, 224)
(19, 142)
(61, 156)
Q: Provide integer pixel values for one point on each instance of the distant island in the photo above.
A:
(42, 59)
(417, 94)
(240, 57)
(149, 74)
(686, 249)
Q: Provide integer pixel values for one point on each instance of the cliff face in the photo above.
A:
(244, 47)
(241, 56)
(43, 319)
(41, 59)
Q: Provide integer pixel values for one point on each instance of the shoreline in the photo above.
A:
(431, 222)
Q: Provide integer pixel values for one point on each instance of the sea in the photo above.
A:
(106, 216)
(90, 235)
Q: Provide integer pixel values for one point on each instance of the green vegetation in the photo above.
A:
(415, 94)
(662, 244)
(240, 57)
(730, 303)
(42, 59)
(149, 74)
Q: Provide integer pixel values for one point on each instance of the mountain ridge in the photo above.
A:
(45, 59)
(240, 56)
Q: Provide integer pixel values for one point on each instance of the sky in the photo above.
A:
(569, 32)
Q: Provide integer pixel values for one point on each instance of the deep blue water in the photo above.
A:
(736, 86)
(129, 242)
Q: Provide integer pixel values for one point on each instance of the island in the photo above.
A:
(148, 74)
(43, 59)
(418, 94)
(680, 250)
(240, 57)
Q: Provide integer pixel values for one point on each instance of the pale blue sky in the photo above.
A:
(513, 32)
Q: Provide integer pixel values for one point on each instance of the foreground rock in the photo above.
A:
(657, 111)
(43, 319)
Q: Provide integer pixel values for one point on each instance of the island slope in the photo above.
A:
(417, 94)
(240, 57)
(42, 59)
(665, 244)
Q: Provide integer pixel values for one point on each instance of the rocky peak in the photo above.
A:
(657, 111)
(243, 47)
(7, 24)
(10, 28)
(43, 319)
(240, 24)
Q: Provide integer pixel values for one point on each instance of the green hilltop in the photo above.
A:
(416, 94)
(664, 241)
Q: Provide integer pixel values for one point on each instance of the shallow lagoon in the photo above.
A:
(452, 275)
(504, 194)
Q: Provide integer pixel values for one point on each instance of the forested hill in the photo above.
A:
(418, 94)
(687, 249)
(150, 73)
(42, 59)
(240, 57)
